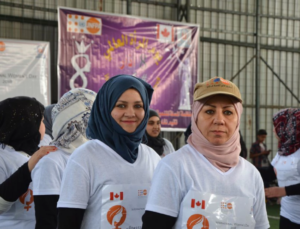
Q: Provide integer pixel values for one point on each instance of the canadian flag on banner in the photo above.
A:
(165, 33)
(118, 196)
(197, 203)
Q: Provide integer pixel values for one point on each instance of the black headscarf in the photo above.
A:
(48, 119)
(20, 120)
(156, 143)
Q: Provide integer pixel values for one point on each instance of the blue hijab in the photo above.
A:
(103, 127)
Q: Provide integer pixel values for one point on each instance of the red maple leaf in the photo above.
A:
(165, 33)
(198, 203)
(117, 196)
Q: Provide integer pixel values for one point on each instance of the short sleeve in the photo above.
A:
(75, 187)
(46, 177)
(259, 208)
(165, 193)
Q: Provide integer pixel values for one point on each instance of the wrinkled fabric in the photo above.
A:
(70, 119)
(287, 127)
(48, 119)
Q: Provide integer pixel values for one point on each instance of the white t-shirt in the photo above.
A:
(288, 173)
(47, 174)
(95, 174)
(45, 141)
(21, 215)
(187, 172)
(168, 148)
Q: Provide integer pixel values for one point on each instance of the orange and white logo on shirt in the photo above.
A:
(197, 219)
(142, 192)
(165, 33)
(116, 216)
(2, 46)
(227, 206)
(27, 199)
(83, 24)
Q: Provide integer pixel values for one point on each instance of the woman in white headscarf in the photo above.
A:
(206, 182)
(70, 117)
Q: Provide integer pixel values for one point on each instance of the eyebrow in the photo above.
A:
(122, 101)
(215, 106)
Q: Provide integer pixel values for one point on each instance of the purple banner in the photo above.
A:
(95, 46)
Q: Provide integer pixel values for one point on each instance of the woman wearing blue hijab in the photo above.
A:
(107, 180)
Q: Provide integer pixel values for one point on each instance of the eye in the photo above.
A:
(227, 112)
(120, 105)
(209, 111)
(138, 106)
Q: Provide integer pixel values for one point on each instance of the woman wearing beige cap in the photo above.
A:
(205, 184)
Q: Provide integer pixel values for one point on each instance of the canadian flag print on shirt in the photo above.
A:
(116, 196)
(196, 203)
(165, 33)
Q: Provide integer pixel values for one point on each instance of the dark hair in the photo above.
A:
(262, 132)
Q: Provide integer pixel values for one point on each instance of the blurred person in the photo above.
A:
(70, 118)
(287, 166)
(206, 181)
(259, 155)
(21, 129)
(48, 126)
(161, 145)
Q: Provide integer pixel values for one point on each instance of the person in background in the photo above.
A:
(70, 118)
(161, 145)
(187, 133)
(48, 125)
(287, 167)
(206, 182)
(107, 179)
(259, 155)
(21, 129)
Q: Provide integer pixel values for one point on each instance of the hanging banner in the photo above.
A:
(25, 69)
(93, 47)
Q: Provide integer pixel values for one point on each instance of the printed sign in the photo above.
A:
(94, 46)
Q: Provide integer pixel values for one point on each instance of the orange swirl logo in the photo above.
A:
(23, 199)
(116, 216)
(197, 219)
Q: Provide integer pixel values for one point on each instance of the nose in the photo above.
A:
(129, 112)
(219, 118)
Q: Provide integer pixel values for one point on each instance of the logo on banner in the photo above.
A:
(83, 24)
(197, 221)
(142, 192)
(116, 216)
(2, 46)
(116, 196)
(23, 199)
(165, 33)
(80, 71)
(184, 37)
(227, 206)
(197, 203)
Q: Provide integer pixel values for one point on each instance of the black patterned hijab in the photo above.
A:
(20, 120)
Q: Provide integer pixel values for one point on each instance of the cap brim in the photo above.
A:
(218, 93)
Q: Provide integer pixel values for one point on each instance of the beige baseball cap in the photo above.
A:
(214, 86)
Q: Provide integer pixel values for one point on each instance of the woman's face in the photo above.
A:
(42, 129)
(153, 126)
(218, 119)
(129, 110)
